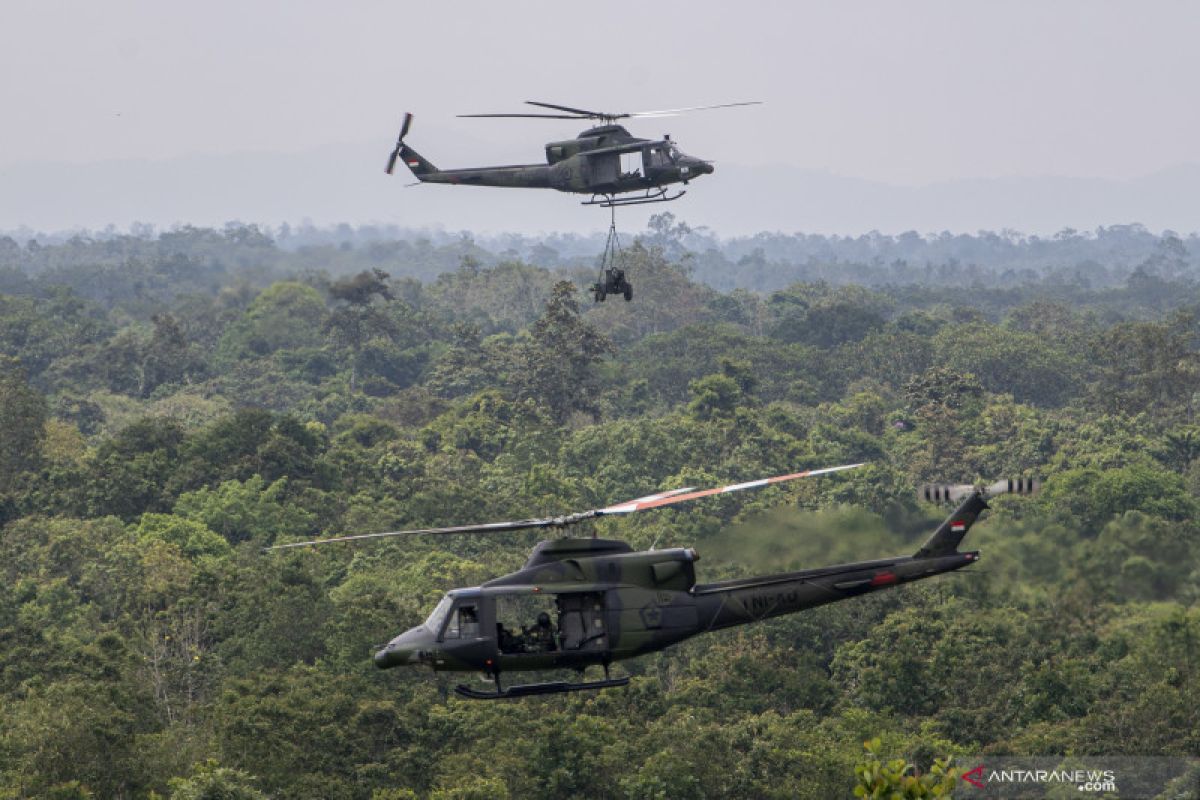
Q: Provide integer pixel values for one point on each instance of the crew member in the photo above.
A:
(541, 636)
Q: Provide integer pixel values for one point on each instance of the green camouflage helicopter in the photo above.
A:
(604, 161)
(580, 602)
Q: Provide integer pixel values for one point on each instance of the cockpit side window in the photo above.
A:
(464, 622)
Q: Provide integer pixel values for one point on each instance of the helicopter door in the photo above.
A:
(581, 621)
(604, 169)
(631, 164)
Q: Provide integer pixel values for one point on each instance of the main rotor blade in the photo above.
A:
(582, 111)
(530, 116)
(628, 507)
(680, 495)
(667, 112)
(484, 527)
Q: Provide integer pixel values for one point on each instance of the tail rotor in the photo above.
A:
(952, 493)
(404, 126)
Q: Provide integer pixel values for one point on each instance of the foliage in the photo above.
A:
(555, 365)
(897, 779)
(211, 781)
(170, 404)
(22, 423)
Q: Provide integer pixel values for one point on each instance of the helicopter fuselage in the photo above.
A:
(604, 603)
(605, 160)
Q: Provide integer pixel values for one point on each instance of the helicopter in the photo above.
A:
(594, 601)
(603, 161)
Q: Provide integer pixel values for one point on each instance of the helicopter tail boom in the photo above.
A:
(744, 600)
(417, 164)
(738, 602)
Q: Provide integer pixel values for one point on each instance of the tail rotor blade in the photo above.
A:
(945, 493)
(952, 493)
(1014, 486)
(404, 126)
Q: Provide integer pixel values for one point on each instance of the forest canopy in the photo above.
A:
(171, 403)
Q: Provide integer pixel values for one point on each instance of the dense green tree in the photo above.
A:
(129, 473)
(471, 363)
(287, 315)
(357, 318)
(825, 316)
(196, 389)
(898, 780)
(211, 781)
(1148, 366)
(556, 365)
(239, 510)
(22, 423)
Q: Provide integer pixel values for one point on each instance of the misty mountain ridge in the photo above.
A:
(346, 183)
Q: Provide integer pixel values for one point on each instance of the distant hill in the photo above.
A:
(347, 184)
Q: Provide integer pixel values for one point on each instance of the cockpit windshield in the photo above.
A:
(662, 155)
(438, 617)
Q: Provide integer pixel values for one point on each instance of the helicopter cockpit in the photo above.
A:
(525, 623)
(457, 616)
(665, 155)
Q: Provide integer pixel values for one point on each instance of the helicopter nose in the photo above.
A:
(704, 168)
(391, 656)
(408, 648)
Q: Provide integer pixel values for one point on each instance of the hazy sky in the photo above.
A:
(904, 92)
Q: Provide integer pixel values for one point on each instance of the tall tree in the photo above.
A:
(556, 364)
(358, 317)
(22, 421)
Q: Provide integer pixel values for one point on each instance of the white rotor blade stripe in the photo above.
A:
(661, 495)
(632, 505)
(644, 503)
(670, 111)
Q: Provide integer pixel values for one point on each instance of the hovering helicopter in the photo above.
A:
(603, 161)
(581, 602)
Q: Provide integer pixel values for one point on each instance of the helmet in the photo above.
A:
(544, 619)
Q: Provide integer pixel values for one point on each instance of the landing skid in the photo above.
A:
(612, 201)
(530, 689)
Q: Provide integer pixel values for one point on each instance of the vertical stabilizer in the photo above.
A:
(949, 534)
